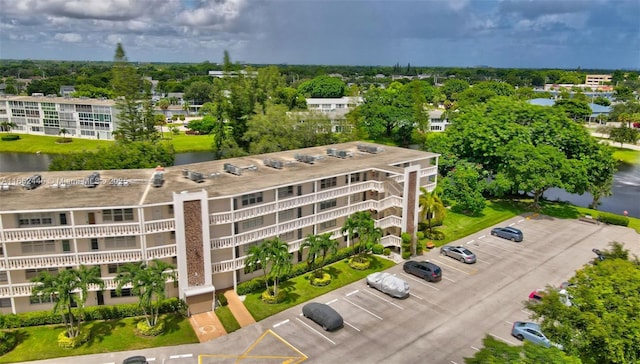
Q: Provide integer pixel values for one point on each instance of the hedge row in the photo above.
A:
(10, 137)
(613, 219)
(91, 313)
(299, 269)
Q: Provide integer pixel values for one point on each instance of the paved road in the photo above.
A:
(439, 323)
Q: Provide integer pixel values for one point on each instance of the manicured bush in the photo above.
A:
(37, 318)
(359, 264)
(406, 254)
(10, 137)
(268, 297)
(63, 140)
(73, 342)
(386, 252)
(320, 281)
(420, 245)
(377, 249)
(222, 299)
(146, 330)
(7, 342)
(435, 235)
(250, 286)
(613, 219)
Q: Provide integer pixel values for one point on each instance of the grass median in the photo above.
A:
(41, 342)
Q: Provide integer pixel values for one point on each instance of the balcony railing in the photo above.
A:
(159, 252)
(159, 226)
(391, 240)
(389, 221)
(114, 256)
(42, 233)
(95, 231)
(40, 261)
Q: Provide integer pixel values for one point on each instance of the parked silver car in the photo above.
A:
(531, 331)
(458, 252)
(508, 232)
(389, 284)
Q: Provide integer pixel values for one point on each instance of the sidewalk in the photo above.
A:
(238, 309)
(207, 326)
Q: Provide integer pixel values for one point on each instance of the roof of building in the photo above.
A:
(61, 100)
(216, 182)
(595, 108)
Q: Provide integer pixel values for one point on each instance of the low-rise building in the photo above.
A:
(203, 217)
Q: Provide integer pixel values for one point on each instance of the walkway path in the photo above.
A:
(237, 308)
(207, 326)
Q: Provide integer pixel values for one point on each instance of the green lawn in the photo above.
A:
(228, 320)
(629, 156)
(40, 342)
(299, 289)
(48, 144)
(189, 143)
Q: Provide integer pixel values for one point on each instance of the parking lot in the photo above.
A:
(439, 322)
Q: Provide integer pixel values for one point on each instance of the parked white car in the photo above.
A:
(389, 284)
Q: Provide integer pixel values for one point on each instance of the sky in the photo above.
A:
(590, 34)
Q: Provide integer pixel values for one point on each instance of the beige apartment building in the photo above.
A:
(202, 217)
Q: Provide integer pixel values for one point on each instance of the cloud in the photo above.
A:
(68, 37)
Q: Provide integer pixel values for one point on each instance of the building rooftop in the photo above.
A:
(60, 100)
(133, 187)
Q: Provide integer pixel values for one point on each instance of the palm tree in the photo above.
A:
(319, 245)
(313, 243)
(272, 256)
(64, 132)
(8, 125)
(148, 282)
(186, 106)
(359, 223)
(257, 259)
(327, 246)
(164, 104)
(431, 206)
(67, 287)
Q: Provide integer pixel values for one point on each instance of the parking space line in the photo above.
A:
(473, 271)
(483, 261)
(474, 348)
(509, 322)
(181, 356)
(281, 323)
(449, 279)
(513, 223)
(364, 309)
(316, 331)
(501, 248)
(521, 220)
(352, 293)
(355, 328)
(332, 301)
(482, 237)
(421, 281)
(151, 359)
(418, 297)
(503, 339)
(485, 252)
(384, 299)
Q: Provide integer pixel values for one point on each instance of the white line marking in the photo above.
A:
(352, 293)
(525, 311)
(453, 362)
(453, 267)
(469, 242)
(355, 328)
(151, 359)
(449, 279)
(281, 323)
(483, 261)
(180, 356)
(485, 252)
(513, 223)
(474, 348)
(521, 220)
(503, 339)
(111, 362)
(364, 309)
(416, 296)
(482, 237)
(421, 281)
(509, 322)
(332, 301)
(316, 331)
(384, 299)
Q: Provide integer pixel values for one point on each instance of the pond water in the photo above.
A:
(626, 182)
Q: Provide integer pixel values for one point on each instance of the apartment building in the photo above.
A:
(202, 217)
(46, 115)
(597, 80)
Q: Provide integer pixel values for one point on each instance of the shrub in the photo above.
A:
(268, 297)
(359, 264)
(182, 117)
(146, 330)
(7, 342)
(613, 219)
(386, 252)
(420, 235)
(406, 254)
(222, 299)
(63, 140)
(73, 342)
(435, 235)
(10, 137)
(377, 248)
(320, 281)
(420, 247)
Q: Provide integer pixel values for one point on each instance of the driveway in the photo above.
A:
(440, 322)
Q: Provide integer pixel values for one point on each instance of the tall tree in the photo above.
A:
(495, 351)
(148, 282)
(464, 186)
(136, 121)
(431, 207)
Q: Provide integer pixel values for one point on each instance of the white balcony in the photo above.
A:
(159, 252)
(95, 231)
(113, 256)
(389, 221)
(221, 218)
(230, 265)
(42, 233)
(159, 226)
(39, 261)
(391, 240)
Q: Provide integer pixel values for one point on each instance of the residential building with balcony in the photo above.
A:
(203, 218)
(46, 115)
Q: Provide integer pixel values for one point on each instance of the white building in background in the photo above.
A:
(436, 122)
(203, 217)
(46, 115)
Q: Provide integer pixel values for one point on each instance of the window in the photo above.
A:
(5, 302)
(252, 223)
(94, 244)
(355, 177)
(117, 215)
(328, 182)
(126, 292)
(327, 224)
(170, 209)
(286, 215)
(66, 246)
(287, 236)
(285, 191)
(63, 219)
(3, 277)
(42, 298)
(32, 273)
(119, 242)
(251, 199)
(35, 219)
(328, 204)
(113, 268)
(35, 247)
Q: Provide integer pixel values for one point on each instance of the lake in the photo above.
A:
(626, 183)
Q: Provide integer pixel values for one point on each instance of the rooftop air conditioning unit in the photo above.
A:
(158, 179)
(309, 159)
(273, 163)
(93, 180)
(196, 177)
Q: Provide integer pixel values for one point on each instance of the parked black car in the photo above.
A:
(323, 315)
(139, 359)
(508, 232)
(425, 270)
